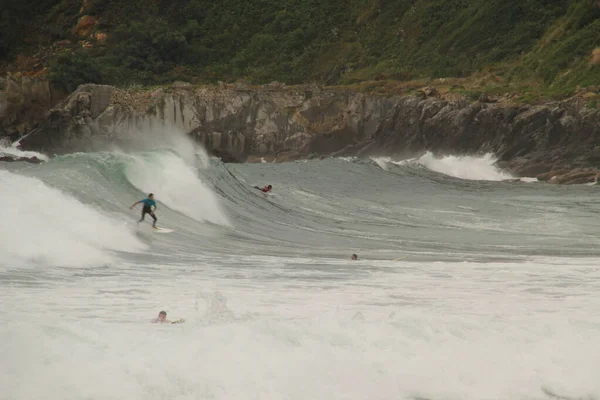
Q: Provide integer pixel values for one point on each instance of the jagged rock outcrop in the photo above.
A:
(529, 140)
(235, 121)
(279, 123)
(31, 160)
(24, 102)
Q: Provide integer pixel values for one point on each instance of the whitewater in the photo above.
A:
(467, 286)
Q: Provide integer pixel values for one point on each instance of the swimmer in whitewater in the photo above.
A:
(147, 209)
(162, 319)
(265, 189)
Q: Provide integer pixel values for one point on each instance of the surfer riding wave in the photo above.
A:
(147, 209)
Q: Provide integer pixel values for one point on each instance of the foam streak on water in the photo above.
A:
(493, 293)
(13, 151)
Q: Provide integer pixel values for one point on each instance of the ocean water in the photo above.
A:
(466, 287)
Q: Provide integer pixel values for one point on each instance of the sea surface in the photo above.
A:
(466, 287)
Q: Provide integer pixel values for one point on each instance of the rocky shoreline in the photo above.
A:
(558, 142)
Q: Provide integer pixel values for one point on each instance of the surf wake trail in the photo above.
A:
(47, 226)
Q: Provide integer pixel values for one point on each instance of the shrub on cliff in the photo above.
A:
(563, 56)
(69, 70)
(16, 20)
(143, 51)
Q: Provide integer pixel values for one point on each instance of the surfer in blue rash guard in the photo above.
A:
(147, 209)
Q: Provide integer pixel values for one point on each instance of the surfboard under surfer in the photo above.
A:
(147, 208)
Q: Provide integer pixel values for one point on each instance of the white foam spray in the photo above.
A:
(163, 136)
(382, 162)
(173, 176)
(177, 185)
(14, 151)
(478, 334)
(42, 225)
(463, 167)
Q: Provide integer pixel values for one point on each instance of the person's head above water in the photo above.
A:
(162, 316)
(270, 187)
(354, 257)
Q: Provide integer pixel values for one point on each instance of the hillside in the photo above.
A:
(541, 45)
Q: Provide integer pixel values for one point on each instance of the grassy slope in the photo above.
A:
(541, 45)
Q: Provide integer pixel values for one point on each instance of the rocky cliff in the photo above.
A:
(279, 123)
(24, 102)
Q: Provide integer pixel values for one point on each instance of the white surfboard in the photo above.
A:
(162, 230)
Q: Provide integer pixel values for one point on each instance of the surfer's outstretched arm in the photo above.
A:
(135, 204)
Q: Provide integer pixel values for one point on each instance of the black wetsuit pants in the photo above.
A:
(147, 210)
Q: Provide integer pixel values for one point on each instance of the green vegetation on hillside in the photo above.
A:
(16, 18)
(562, 56)
(541, 42)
